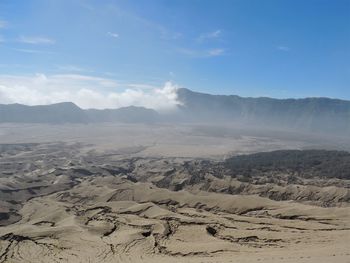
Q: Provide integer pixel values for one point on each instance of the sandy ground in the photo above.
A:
(112, 220)
(68, 202)
(169, 140)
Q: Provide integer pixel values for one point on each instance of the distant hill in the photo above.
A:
(68, 112)
(65, 112)
(310, 114)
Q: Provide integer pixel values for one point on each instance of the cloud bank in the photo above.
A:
(85, 91)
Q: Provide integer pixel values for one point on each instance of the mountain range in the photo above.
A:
(312, 114)
(309, 114)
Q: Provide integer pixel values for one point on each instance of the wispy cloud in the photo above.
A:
(84, 90)
(84, 4)
(162, 31)
(112, 34)
(3, 24)
(140, 86)
(216, 52)
(2, 39)
(168, 35)
(197, 53)
(73, 68)
(210, 35)
(33, 51)
(283, 48)
(36, 40)
(14, 66)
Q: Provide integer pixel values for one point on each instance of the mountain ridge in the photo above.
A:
(307, 114)
(259, 97)
(68, 112)
(312, 114)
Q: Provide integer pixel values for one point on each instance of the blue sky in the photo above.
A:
(276, 48)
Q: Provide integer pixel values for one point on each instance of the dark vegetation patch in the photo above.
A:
(307, 163)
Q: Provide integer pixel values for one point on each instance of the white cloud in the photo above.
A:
(210, 35)
(111, 34)
(36, 40)
(196, 53)
(85, 91)
(283, 48)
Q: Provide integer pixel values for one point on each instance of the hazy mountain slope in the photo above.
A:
(310, 114)
(313, 114)
(66, 112)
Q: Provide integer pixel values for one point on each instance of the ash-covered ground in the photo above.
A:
(137, 193)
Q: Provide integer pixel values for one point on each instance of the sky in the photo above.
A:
(111, 53)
